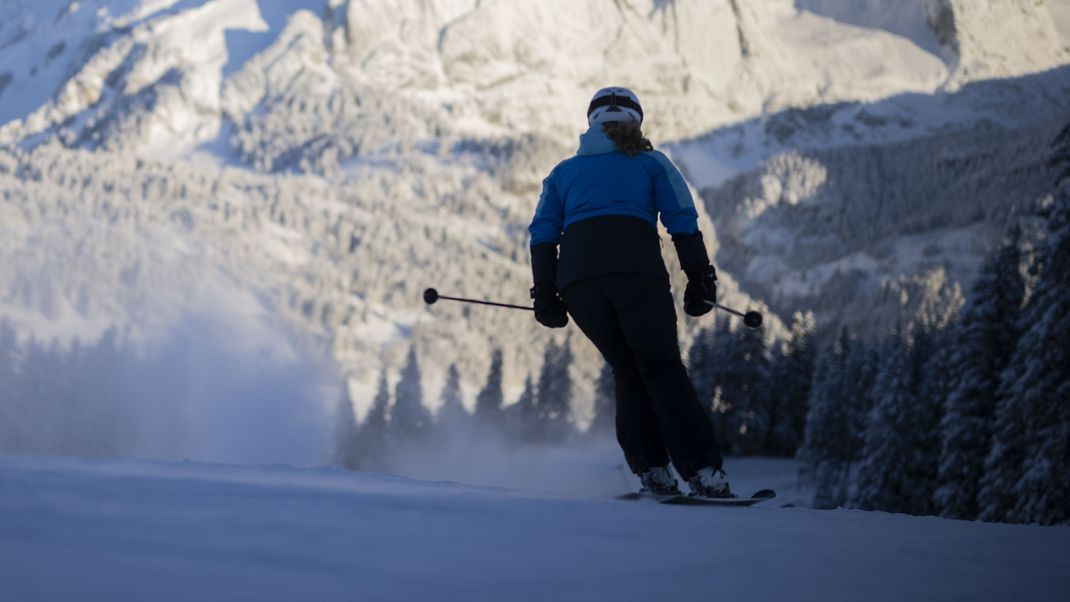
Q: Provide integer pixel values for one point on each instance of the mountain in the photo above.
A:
(300, 171)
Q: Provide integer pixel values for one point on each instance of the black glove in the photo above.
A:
(701, 292)
(549, 308)
(701, 288)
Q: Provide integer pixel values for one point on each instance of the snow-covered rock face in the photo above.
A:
(159, 76)
(414, 134)
(996, 39)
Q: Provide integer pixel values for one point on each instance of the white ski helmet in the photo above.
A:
(614, 104)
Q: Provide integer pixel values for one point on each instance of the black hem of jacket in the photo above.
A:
(609, 244)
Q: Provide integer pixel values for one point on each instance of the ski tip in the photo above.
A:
(764, 494)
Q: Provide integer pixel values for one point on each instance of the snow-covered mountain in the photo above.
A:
(313, 165)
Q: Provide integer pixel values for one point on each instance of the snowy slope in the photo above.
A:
(107, 530)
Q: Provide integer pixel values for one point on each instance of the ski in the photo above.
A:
(694, 500)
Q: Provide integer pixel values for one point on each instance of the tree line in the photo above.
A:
(967, 420)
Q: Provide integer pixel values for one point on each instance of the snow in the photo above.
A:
(1060, 14)
(129, 529)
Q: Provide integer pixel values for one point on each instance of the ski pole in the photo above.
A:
(431, 295)
(752, 318)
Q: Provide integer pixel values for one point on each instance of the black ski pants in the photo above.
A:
(631, 319)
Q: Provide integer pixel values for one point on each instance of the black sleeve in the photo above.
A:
(544, 264)
(691, 250)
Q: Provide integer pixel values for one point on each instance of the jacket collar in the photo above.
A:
(595, 142)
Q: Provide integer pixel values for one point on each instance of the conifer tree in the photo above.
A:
(1027, 475)
(724, 405)
(553, 398)
(451, 413)
(373, 448)
(862, 364)
(898, 470)
(522, 416)
(347, 437)
(9, 419)
(489, 411)
(985, 337)
(826, 454)
(929, 366)
(793, 371)
(744, 382)
(883, 483)
(410, 419)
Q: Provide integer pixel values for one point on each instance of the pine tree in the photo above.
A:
(451, 413)
(743, 379)
(724, 404)
(489, 411)
(1028, 470)
(347, 436)
(883, 483)
(861, 366)
(410, 419)
(9, 410)
(605, 403)
(792, 372)
(984, 339)
(898, 471)
(522, 416)
(553, 398)
(825, 455)
(372, 449)
(929, 366)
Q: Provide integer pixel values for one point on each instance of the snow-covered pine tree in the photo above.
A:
(898, 470)
(883, 483)
(1036, 390)
(744, 381)
(489, 410)
(553, 398)
(825, 454)
(373, 445)
(451, 413)
(410, 419)
(861, 366)
(521, 417)
(346, 435)
(8, 387)
(985, 337)
(605, 403)
(792, 370)
(723, 406)
(928, 363)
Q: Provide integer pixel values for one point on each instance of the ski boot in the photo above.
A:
(658, 482)
(710, 482)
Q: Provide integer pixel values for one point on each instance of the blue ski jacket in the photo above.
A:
(600, 180)
(602, 207)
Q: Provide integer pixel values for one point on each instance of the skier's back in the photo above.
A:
(601, 207)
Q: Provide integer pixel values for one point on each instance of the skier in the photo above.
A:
(601, 206)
